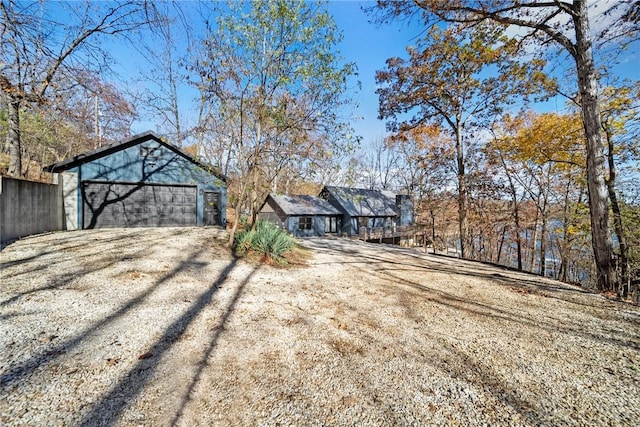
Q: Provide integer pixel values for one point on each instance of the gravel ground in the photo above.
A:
(164, 327)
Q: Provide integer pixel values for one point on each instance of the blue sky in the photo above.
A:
(369, 45)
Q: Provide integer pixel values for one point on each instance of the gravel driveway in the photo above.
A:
(161, 327)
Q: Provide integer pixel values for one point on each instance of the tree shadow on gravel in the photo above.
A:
(458, 365)
(549, 323)
(524, 281)
(85, 239)
(88, 263)
(211, 346)
(16, 374)
(79, 240)
(403, 268)
(110, 407)
(394, 268)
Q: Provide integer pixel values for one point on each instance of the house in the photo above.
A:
(403, 207)
(363, 208)
(302, 216)
(140, 182)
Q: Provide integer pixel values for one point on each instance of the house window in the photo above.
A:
(330, 224)
(305, 223)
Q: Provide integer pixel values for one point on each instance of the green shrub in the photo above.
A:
(266, 240)
(242, 242)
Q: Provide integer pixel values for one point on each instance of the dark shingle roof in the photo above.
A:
(361, 202)
(304, 205)
(115, 147)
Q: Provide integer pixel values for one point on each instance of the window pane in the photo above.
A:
(305, 223)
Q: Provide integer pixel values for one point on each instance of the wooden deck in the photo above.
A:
(409, 235)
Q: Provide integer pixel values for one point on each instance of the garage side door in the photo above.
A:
(108, 205)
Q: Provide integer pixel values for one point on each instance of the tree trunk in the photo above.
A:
(543, 242)
(234, 228)
(534, 241)
(516, 214)
(242, 186)
(623, 289)
(433, 231)
(596, 186)
(175, 110)
(462, 195)
(565, 247)
(13, 137)
(502, 239)
(544, 212)
(518, 238)
(253, 197)
(242, 191)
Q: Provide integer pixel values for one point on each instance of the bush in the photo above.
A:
(266, 240)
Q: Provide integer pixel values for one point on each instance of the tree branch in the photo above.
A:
(480, 14)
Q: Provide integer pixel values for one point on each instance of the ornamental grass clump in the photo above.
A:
(266, 240)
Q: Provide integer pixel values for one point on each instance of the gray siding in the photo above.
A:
(317, 226)
(405, 207)
(150, 162)
(28, 207)
(368, 208)
(70, 199)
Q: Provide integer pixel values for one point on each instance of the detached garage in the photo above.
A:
(140, 182)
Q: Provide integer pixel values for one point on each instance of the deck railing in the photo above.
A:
(379, 233)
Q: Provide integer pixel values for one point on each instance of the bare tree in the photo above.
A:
(445, 81)
(47, 44)
(566, 25)
(271, 85)
(166, 52)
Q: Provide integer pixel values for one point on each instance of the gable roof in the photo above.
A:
(304, 205)
(118, 146)
(361, 202)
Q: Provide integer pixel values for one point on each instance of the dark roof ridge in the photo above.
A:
(314, 205)
(121, 145)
